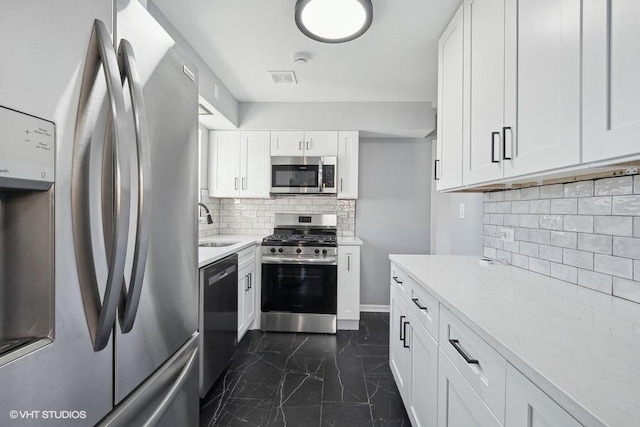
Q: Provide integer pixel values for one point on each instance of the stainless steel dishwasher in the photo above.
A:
(218, 318)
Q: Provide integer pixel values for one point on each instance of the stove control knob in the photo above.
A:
(273, 250)
(298, 250)
(280, 250)
(324, 252)
(317, 251)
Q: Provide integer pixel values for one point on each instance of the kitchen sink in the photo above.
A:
(216, 244)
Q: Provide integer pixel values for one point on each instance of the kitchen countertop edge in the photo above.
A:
(207, 256)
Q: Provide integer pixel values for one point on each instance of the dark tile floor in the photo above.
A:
(298, 380)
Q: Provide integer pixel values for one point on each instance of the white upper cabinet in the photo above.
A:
(611, 83)
(483, 112)
(542, 86)
(239, 164)
(287, 143)
(224, 163)
(295, 143)
(348, 146)
(321, 143)
(448, 167)
(255, 167)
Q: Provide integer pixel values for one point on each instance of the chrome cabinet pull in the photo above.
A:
(129, 70)
(396, 280)
(309, 144)
(417, 302)
(341, 185)
(243, 186)
(348, 262)
(91, 227)
(236, 183)
(300, 145)
(469, 360)
(435, 170)
(404, 340)
(504, 142)
(402, 327)
(250, 280)
(493, 147)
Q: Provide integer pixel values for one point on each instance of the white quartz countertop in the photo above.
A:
(579, 346)
(208, 255)
(349, 241)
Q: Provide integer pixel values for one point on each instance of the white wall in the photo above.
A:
(393, 209)
(416, 119)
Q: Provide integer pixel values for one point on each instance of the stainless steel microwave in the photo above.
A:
(300, 175)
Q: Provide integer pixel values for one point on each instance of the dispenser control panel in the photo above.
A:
(27, 150)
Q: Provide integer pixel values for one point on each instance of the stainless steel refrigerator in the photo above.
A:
(106, 292)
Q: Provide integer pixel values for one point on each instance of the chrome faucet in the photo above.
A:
(209, 219)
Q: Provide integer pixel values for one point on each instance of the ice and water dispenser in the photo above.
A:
(27, 157)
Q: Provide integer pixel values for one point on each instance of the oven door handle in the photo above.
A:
(298, 260)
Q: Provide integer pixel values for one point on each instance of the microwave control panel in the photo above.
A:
(328, 176)
(27, 150)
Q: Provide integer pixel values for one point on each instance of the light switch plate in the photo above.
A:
(461, 214)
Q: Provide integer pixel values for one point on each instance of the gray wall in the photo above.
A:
(393, 208)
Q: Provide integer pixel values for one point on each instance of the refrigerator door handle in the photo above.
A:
(130, 298)
(89, 172)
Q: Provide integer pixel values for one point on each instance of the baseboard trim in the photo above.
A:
(374, 308)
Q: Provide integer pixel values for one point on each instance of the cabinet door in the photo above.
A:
(255, 167)
(542, 86)
(611, 87)
(423, 375)
(398, 353)
(448, 168)
(224, 163)
(243, 286)
(458, 404)
(287, 143)
(483, 90)
(528, 406)
(250, 298)
(348, 282)
(348, 146)
(321, 143)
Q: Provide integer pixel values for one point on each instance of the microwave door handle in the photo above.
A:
(320, 175)
(89, 232)
(131, 297)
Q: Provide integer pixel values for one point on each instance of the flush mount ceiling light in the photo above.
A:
(333, 21)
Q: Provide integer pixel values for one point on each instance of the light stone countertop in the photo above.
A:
(350, 241)
(581, 347)
(208, 255)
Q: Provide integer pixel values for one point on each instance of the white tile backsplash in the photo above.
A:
(586, 232)
(256, 216)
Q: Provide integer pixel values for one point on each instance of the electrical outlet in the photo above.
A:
(507, 235)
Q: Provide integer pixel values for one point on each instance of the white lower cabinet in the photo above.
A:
(458, 404)
(398, 351)
(422, 398)
(528, 406)
(349, 283)
(247, 280)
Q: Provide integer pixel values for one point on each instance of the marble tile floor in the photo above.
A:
(299, 380)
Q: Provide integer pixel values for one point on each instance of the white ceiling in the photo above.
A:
(240, 40)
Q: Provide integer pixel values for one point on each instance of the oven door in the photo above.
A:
(296, 175)
(299, 288)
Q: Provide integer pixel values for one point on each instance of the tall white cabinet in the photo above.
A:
(348, 147)
(611, 83)
(239, 164)
(448, 164)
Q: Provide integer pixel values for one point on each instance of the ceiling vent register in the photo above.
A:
(283, 77)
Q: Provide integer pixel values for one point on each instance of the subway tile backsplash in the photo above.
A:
(586, 233)
(256, 216)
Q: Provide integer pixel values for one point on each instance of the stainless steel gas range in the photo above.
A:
(299, 274)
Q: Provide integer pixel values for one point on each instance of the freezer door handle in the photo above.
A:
(130, 298)
(173, 391)
(101, 208)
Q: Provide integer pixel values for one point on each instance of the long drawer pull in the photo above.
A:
(396, 279)
(417, 302)
(402, 327)
(456, 345)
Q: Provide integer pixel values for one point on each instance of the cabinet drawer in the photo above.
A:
(479, 364)
(425, 308)
(399, 280)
